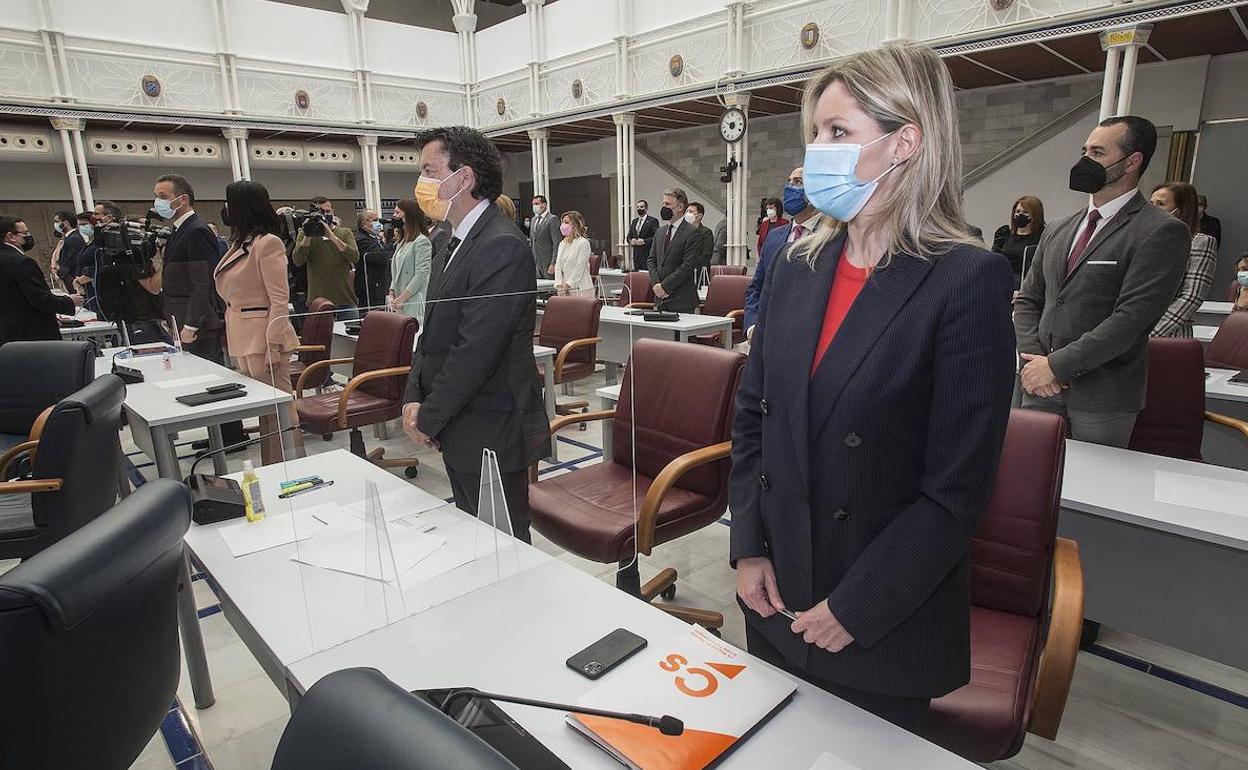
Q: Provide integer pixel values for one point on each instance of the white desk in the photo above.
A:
(1223, 446)
(1166, 572)
(545, 285)
(103, 333)
(1212, 313)
(610, 396)
(620, 330)
(1204, 333)
(155, 417)
(511, 636)
(611, 281)
(343, 346)
(702, 292)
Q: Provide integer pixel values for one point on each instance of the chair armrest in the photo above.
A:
(309, 349)
(1229, 422)
(559, 423)
(316, 367)
(31, 485)
(567, 349)
(735, 314)
(1061, 647)
(13, 453)
(647, 519)
(360, 379)
(641, 305)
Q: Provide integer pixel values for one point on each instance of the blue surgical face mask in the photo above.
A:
(87, 231)
(794, 199)
(163, 207)
(377, 227)
(1242, 277)
(830, 183)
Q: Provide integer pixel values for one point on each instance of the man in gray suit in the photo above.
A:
(1102, 278)
(544, 237)
(719, 251)
(677, 254)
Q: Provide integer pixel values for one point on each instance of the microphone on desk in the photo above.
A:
(668, 725)
(216, 498)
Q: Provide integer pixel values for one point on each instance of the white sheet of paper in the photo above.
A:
(348, 548)
(184, 381)
(1200, 492)
(828, 761)
(400, 503)
(248, 537)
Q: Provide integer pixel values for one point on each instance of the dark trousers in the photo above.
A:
(466, 486)
(906, 713)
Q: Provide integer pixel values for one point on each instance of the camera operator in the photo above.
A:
(372, 274)
(190, 256)
(106, 213)
(329, 253)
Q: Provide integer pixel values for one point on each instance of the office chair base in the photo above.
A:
(628, 579)
(408, 464)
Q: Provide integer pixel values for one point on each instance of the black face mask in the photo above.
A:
(1088, 176)
(665, 213)
(641, 212)
(28, 242)
(1021, 219)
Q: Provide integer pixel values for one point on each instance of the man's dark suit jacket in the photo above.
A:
(864, 482)
(1094, 323)
(68, 265)
(1212, 226)
(473, 372)
(190, 291)
(27, 308)
(708, 245)
(675, 266)
(644, 228)
(440, 236)
(776, 241)
(372, 272)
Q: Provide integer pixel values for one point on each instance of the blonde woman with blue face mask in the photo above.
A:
(872, 411)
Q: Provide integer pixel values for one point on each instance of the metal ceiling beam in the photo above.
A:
(1066, 59)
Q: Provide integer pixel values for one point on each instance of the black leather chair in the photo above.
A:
(89, 634)
(356, 718)
(73, 479)
(36, 376)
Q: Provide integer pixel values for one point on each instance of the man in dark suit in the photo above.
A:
(1102, 278)
(68, 248)
(440, 236)
(474, 383)
(372, 272)
(641, 235)
(27, 308)
(804, 221)
(544, 237)
(676, 257)
(1209, 225)
(191, 254)
(694, 216)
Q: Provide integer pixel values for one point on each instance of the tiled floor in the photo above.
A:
(1116, 717)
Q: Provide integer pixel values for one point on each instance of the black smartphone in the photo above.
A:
(1241, 378)
(606, 653)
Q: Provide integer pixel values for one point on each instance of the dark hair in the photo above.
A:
(87, 215)
(180, 186)
(318, 200)
(1202, 200)
(8, 224)
(1184, 196)
(541, 198)
(1141, 136)
(679, 195)
(64, 216)
(695, 205)
(111, 209)
(251, 211)
(413, 216)
(468, 147)
(777, 203)
(643, 200)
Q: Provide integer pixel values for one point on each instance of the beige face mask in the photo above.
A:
(426, 194)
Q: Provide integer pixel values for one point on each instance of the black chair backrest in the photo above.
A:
(37, 374)
(357, 717)
(79, 445)
(89, 633)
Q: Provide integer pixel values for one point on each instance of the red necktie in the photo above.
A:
(1081, 245)
(798, 231)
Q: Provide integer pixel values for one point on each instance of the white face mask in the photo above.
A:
(691, 218)
(537, 210)
(771, 213)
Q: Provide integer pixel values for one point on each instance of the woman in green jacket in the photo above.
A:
(413, 259)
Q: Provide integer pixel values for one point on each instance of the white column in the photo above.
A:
(372, 171)
(737, 54)
(359, 52)
(46, 33)
(75, 127)
(539, 145)
(1110, 84)
(229, 89)
(239, 150)
(738, 207)
(62, 126)
(533, 13)
(625, 186)
(1127, 90)
(623, 28)
(236, 165)
(1121, 45)
(465, 22)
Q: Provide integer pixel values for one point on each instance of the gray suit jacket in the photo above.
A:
(1094, 324)
(719, 253)
(544, 239)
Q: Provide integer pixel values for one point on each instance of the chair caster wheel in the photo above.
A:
(411, 471)
(583, 426)
(669, 593)
(327, 437)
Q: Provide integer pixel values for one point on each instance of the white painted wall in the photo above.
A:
(504, 47)
(401, 49)
(178, 24)
(21, 14)
(655, 14)
(574, 25)
(1225, 94)
(288, 33)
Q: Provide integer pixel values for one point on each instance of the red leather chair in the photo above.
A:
(726, 270)
(613, 511)
(726, 297)
(595, 262)
(1172, 422)
(570, 325)
(374, 394)
(637, 291)
(1026, 604)
(1229, 347)
(614, 261)
(315, 341)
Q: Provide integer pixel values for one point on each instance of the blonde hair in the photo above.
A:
(507, 206)
(579, 229)
(921, 212)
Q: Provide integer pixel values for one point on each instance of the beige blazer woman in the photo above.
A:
(252, 281)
